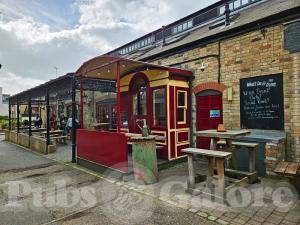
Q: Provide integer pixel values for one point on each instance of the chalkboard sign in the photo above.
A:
(292, 37)
(262, 102)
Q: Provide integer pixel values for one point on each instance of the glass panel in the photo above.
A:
(181, 98)
(237, 4)
(190, 24)
(159, 105)
(244, 2)
(179, 28)
(140, 98)
(180, 114)
(231, 6)
(175, 30)
(124, 119)
(184, 26)
(222, 10)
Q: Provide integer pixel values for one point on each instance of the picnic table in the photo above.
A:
(211, 155)
(216, 136)
(229, 137)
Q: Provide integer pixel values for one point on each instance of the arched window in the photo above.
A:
(139, 91)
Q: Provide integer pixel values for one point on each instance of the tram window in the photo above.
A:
(181, 107)
(159, 107)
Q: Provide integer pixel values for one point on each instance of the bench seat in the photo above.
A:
(240, 144)
(287, 168)
(206, 152)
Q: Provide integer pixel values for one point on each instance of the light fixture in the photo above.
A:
(123, 65)
(98, 73)
(108, 70)
(203, 66)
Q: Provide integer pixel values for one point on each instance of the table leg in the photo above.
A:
(191, 178)
(213, 143)
(251, 159)
(221, 176)
(211, 168)
(232, 161)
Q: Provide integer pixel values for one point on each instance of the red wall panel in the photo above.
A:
(104, 148)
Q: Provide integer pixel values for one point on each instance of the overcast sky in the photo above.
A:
(38, 35)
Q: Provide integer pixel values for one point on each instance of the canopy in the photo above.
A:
(106, 68)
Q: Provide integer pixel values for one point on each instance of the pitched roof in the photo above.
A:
(251, 15)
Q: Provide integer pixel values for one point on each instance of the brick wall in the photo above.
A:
(249, 55)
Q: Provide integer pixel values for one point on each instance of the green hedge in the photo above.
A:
(4, 121)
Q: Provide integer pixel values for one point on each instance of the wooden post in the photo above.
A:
(29, 114)
(211, 168)
(81, 103)
(118, 98)
(221, 176)
(18, 116)
(9, 114)
(73, 120)
(191, 178)
(251, 159)
(47, 118)
(213, 143)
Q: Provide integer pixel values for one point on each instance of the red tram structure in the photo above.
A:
(157, 95)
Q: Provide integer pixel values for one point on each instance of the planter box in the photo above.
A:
(23, 140)
(40, 145)
(6, 133)
(13, 137)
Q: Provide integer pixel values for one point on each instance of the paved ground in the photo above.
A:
(91, 200)
(53, 193)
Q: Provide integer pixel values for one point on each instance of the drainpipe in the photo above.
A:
(163, 36)
(191, 112)
(227, 14)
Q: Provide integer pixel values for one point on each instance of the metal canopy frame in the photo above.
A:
(101, 73)
(113, 69)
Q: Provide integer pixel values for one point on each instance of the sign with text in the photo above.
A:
(262, 102)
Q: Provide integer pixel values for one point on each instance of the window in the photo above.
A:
(181, 107)
(237, 3)
(222, 10)
(244, 2)
(190, 23)
(159, 107)
(124, 119)
(140, 98)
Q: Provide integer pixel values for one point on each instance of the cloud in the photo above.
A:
(33, 39)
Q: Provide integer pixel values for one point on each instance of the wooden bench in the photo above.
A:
(213, 156)
(62, 139)
(251, 147)
(288, 169)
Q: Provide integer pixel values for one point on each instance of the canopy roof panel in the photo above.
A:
(105, 67)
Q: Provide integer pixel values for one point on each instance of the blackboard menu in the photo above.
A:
(262, 102)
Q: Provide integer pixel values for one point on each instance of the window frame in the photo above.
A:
(185, 106)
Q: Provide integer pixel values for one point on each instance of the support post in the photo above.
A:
(73, 120)
(18, 116)
(47, 118)
(29, 114)
(118, 98)
(9, 114)
(81, 103)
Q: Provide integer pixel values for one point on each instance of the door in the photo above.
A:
(209, 114)
(139, 91)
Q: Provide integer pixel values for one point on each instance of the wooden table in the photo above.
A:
(53, 132)
(101, 125)
(227, 136)
(211, 155)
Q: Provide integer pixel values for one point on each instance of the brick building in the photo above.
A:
(245, 55)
